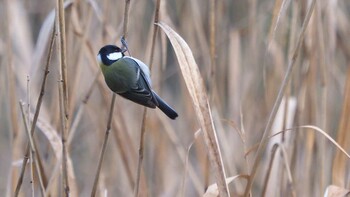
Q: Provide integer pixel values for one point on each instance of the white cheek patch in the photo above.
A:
(99, 59)
(114, 56)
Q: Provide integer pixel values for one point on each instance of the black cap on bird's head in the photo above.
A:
(109, 54)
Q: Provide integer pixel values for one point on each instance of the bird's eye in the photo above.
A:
(114, 55)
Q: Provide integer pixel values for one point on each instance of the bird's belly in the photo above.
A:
(117, 84)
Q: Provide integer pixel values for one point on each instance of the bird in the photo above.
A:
(130, 78)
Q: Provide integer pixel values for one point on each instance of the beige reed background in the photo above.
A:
(243, 50)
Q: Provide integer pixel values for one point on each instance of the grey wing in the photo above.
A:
(141, 93)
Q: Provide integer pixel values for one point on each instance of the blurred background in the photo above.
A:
(254, 41)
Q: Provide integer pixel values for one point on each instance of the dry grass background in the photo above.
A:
(254, 43)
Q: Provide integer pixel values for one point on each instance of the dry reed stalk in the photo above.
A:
(140, 158)
(154, 36)
(64, 128)
(196, 88)
(31, 153)
(337, 25)
(81, 29)
(37, 109)
(118, 125)
(339, 165)
(122, 139)
(278, 99)
(253, 30)
(33, 157)
(318, 60)
(342, 31)
(9, 76)
(237, 85)
(61, 32)
(323, 121)
(10, 69)
(278, 10)
(144, 118)
(73, 129)
(198, 27)
(212, 35)
(126, 18)
(268, 172)
(104, 145)
(286, 163)
(235, 73)
(63, 92)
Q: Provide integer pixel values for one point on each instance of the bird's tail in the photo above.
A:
(162, 105)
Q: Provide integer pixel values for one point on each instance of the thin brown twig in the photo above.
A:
(37, 111)
(278, 99)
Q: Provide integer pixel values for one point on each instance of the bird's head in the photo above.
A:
(109, 54)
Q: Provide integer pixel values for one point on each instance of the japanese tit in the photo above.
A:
(130, 78)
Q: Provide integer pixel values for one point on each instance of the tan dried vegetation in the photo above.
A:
(262, 89)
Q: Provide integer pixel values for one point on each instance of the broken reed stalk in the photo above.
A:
(144, 118)
(63, 98)
(37, 110)
(104, 145)
(278, 99)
